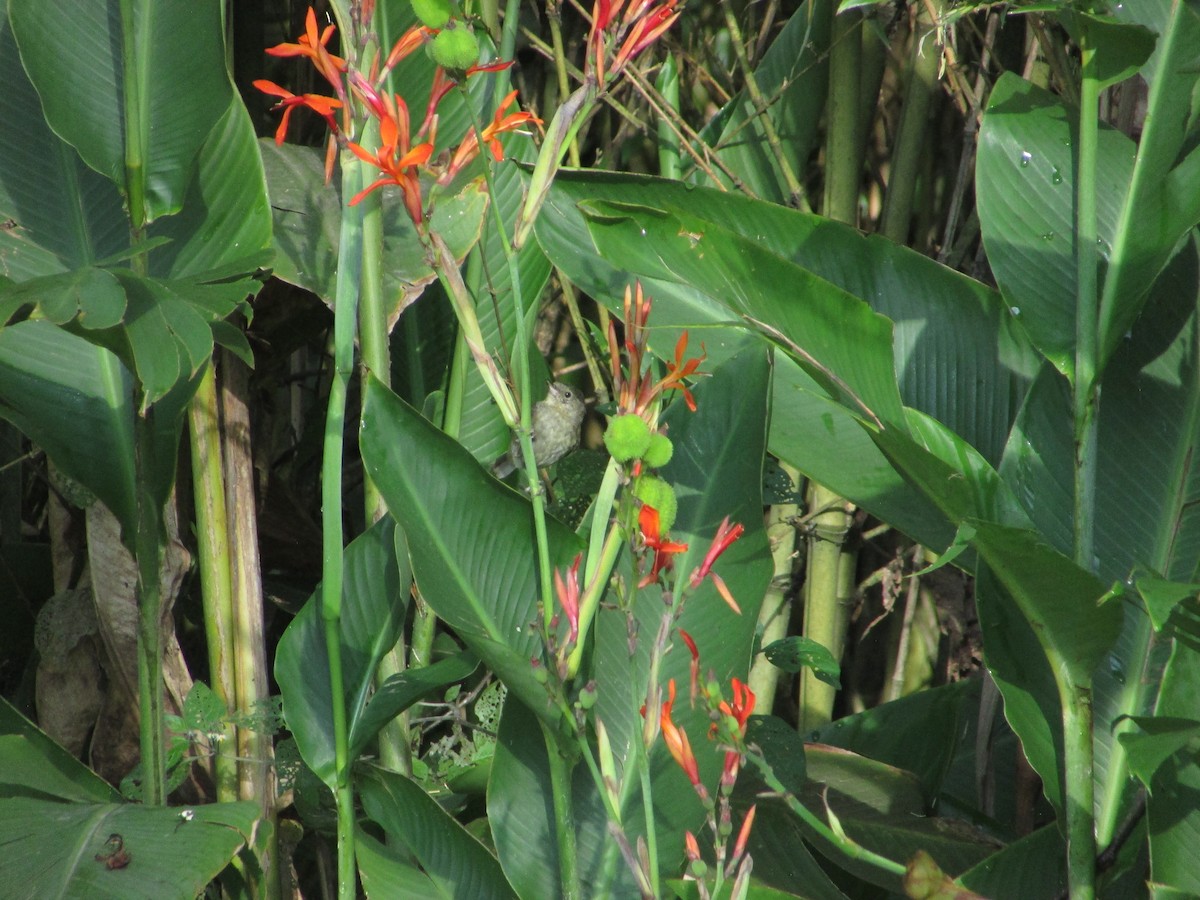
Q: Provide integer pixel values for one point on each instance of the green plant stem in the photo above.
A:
(136, 129)
(345, 319)
(213, 561)
(554, 18)
(1080, 798)
(843, 142)
(776, 608)
(791, 184)
(561, 768)
(909, 149)
(667, 84)
(148, 550)
(1077, 698)
(849, 848)
(827, 589)
(1086, 386)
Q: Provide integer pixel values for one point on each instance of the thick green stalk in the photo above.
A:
(667, 85)
(135, 128)
(148, 550)
(829, 580)
(1086, 387)
(843, 142)
(561, 768)
(1080, 799)
(776, 608)
(827, 591)
(791, 184)
(1077, 699)
(909, 149)
(345, 320)
(212, 547)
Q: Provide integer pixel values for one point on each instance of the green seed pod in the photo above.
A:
(653, 491)
(433, 13)
(627, 437)
(660, 451)
(455, 48)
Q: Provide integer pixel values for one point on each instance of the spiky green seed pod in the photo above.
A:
(627, 437)
(660, 451)
(433, 13)
(455, 48)
(653, 491)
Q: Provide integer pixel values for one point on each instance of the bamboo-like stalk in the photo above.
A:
(148, 551)
(256, 749)
(776, 608)
(213, 562)
(1076, 696)
(909, 149)
(345, 319)
(830, 577)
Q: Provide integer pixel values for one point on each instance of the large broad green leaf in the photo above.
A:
(456, 864)
(717, 472)
(80, 64)
(32, 764)
(58, 849)
(470, 538)
(224, 226)
(1148, 435)
(1025, 184)
(63, 215)
(481, 428)
(919, 733)
(1059, 599)
(306, 213)
(1032, 868)
(957, 354)
(90, 436)
(374, 594)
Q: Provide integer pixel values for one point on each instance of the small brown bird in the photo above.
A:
(555, 426)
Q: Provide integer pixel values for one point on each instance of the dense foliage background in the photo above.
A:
(938, 262)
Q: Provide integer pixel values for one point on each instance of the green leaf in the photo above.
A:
(1025, 184)
(456, 864)
(1119, 48)
(974, 388)
(1161, 737)
(54, 847)
(226, 217)
(717, 472)
(374, 591)
(919, 733)
(1033, 867)
(791, 654)
(794, 75)
(307, 211)
(402, 690)
(90, 434)
(1162, 596)
(470, 538)
(32, 764)
(93, 296)
(63, 215)
(1058, 598)
(78, 65)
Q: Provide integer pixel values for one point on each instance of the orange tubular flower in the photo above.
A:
(740, 711)
(322, 106)
(680, 369)
(726, 535)
(695, 666)
(501, 123)
(396, 159)
(644, 32)
(312, 46)
(663, 549)
(678, 744)
(744, 833)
